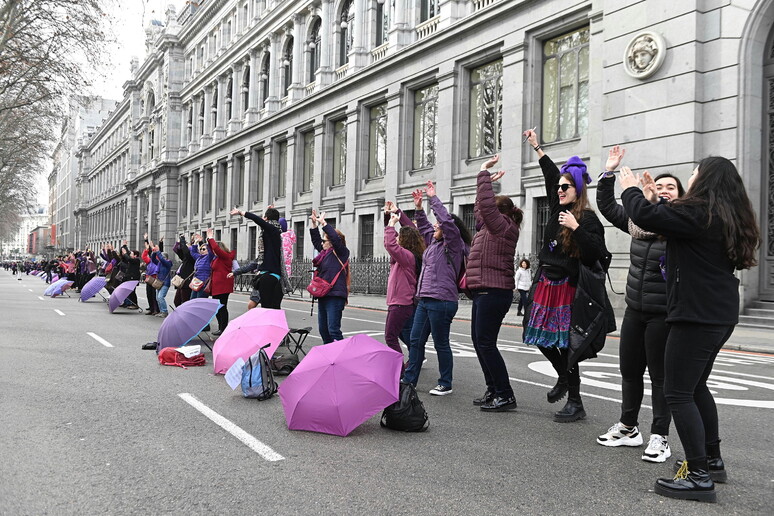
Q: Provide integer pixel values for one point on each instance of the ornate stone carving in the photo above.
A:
(644, 55)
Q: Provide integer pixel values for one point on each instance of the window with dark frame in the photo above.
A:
(486, 109)
(377, 141)
(366, 236)
(468, 216)
(542, 213)
(300, 228)
(252, 235)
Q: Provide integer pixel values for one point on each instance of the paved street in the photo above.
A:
(94, 425)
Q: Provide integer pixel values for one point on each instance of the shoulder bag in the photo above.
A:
(319, 287)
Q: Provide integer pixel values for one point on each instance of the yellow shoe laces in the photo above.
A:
(682, 473)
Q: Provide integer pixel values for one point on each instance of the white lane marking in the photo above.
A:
(247, 439)
(41, 298)
(99, 339)
(29, 289)
(584, 393)
(59, 311)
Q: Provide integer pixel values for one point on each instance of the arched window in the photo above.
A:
(347, 25)
(315, 47)
(214, 106)
(245, 88)
(428, 9)
(287, 65)
(189, 125)
(229, 97)
(265, 76)
(151, 103)
(201, 114)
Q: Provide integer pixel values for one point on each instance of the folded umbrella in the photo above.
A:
(60, 288)
(186, 322)
(92, 287)
(54, 284)
(247, 334)
(120, 293)
(338, 386)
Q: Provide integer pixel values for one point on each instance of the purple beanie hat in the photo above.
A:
(577, 169)
(283, 224)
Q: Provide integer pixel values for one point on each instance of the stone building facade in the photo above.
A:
(338, 105)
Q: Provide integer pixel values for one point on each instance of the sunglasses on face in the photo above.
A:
(564, 187)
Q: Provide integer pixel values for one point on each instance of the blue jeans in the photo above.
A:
(432, 316)
(489, 309)
(329, 310)
(201, 293)
(161, 299)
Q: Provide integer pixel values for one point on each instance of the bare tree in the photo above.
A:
(49, 52)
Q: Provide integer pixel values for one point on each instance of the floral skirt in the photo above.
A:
(549, 317)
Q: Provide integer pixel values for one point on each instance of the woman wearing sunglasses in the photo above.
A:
(573, 235)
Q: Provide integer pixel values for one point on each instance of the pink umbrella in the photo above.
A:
(247, 334)
(338, 386)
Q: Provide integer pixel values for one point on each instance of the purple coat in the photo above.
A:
(443, 258)
(402, 282)
(330, 266)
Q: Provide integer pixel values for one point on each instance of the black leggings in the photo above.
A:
(270, 289)
(558, 359)
(150, 293)
(643, 341)
(222, 314)
(690, 354)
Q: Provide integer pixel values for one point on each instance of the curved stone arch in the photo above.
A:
(752, 147)
(149, 97)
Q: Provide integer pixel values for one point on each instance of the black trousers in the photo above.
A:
(643, 341)
(150, 294)
(270, 289)
(690, 354)
(222, 314)
(489, 309)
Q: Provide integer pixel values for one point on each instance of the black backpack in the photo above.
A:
(407, 414)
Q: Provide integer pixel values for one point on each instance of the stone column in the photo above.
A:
(400, 33)
(220, 120)
(247, 174)
(394, 144)
(296, 90)
(251, 115)
(448, 154)
(325, 75)
(235, 122)
(200, 197)
(354, 179)
(228, 194)
(205, 138)
(272, 102)
(149, 228)
(189, 198)
(358, 54)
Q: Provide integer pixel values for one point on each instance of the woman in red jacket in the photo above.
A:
(220, 284)
(490, 277)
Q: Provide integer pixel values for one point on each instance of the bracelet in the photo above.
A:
(537, 148)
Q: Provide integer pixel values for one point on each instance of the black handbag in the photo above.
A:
(408, 414)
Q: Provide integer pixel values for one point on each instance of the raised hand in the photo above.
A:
(313, 219)
(490, 162)
(497, 176)
(430, 189)
(230, 275)
(417, 195)
(210, 233)
(531, 137)
(627, 178)
(394, 219)
(614, 157)
(235, 212)
(649, 187)
(568, 220)
(321, 219)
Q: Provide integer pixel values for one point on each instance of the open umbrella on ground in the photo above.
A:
(338, 386)
(186, 322)
(54, 278)
(61, 288)
(247, 334)
(92, 288)
(120, 293)
(54, 284)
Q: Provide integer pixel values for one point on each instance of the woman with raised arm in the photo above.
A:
(573, 236)
(405, 248)
(130, 265)
(644, 329)
(222, 279)
(711, 231)
(151, 270)
(448, 244)
(332, 265)
(203, 257)
(490, 278)
(185, 271)
(269, 275)
(163, 274)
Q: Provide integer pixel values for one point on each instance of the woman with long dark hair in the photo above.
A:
(405, 248)
(448, 244)
(222, 278)
(574, 236)
(490, 278)
(644, 329)
(711, 231)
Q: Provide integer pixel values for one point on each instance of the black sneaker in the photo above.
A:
(440, 390)
(500, 404)
(486, 398)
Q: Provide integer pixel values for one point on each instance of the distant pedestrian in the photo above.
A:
(523, 284)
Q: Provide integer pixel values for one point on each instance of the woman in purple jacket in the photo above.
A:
(332, 260)
(448, 243)
(490, 277)
(405, 249)
(203, 265)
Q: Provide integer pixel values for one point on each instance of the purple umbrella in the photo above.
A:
(92, 288)
(120, 293)
(187, 321)
(60, 288)
(338, 386)
(54, 284)
(54, 278)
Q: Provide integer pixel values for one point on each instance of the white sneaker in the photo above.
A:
(657, 450)
(619, 435)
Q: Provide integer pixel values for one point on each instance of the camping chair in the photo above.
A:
(295, 339)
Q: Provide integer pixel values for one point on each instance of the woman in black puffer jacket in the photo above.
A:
(644, 330)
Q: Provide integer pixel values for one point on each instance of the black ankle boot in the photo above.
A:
(717, 468)
(558, 392)
(690, 483)
(486, 398)
(573, 409)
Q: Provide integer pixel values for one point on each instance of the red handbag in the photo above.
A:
(319, 287)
